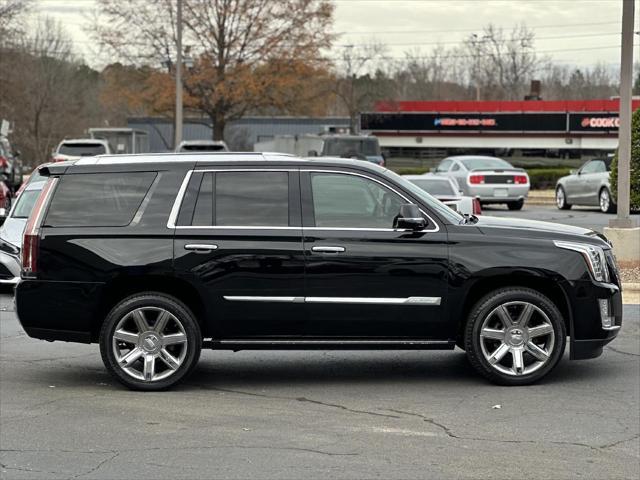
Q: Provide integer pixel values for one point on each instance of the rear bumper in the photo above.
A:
(58, 310)
(498, 193)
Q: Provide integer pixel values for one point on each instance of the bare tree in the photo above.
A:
(355, 87)
(503, 64)
(244, 51)
(12, 13)
(46, 93)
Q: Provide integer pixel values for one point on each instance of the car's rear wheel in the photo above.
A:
(561, 199)
(150, 341)
(515, 336)
(605, 201)
(517, 205)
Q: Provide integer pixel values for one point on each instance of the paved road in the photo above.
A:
(316, 415)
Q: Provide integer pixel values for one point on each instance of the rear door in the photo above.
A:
(238, 237)
(365, 279)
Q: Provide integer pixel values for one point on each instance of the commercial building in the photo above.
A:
(568, 129)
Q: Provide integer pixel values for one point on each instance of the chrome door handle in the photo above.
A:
(200, 247)
(328, 249)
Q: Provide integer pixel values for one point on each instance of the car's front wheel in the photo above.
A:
(515, 336)
(150, 341)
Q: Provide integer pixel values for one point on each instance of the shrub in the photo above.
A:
(544, 178)
(411, 170)
(635, 164)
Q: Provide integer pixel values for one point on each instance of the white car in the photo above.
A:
(74, 149)
(202, 146)
(490, 179)
(12, 229)
(446, 190)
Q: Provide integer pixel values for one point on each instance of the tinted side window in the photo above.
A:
(348, 201)
(252, 199)
(98, 199)
(455, 167)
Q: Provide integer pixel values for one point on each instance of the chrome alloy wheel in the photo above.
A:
(560, 199)
(149, 344)
(517, 338)
(605, 200)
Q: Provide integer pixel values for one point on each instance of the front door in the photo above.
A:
(363, 277)
(239, 239)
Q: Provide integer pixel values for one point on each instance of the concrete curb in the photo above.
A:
(541, 197)
(631, 287)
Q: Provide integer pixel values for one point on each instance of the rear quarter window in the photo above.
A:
(98, 199)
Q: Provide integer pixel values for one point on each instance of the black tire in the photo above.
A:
(561, 199)
(483, 310)
(517, 205)
(179, 312)
(605, 201)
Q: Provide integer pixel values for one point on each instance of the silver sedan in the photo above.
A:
(587, 186)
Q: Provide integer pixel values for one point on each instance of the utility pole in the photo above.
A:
(623, 219)
(178, 125)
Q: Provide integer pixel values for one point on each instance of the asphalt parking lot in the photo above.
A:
(390, 414)
(586, 217)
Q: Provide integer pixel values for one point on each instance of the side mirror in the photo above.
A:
(312, 153)
(409, 218)
(16, 153)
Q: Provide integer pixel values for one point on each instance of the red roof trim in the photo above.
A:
(503, 106)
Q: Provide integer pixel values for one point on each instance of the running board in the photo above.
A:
(281, 344)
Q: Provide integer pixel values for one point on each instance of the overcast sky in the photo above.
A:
(576, 32)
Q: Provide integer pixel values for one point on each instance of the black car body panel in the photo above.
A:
(223, 272)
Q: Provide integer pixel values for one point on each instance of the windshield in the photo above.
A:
(338, 147)
(25, 204)
(81, 149)
(485, 163)
(435, 186)
(433, 202)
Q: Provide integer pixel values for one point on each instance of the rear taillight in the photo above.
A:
(477, 208)
(4, 163)
(31, 239)
(476, 179)
(58, 159)
(521, 179)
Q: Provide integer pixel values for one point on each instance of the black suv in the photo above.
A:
(157, 256)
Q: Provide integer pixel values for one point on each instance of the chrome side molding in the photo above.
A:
(434, 301)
